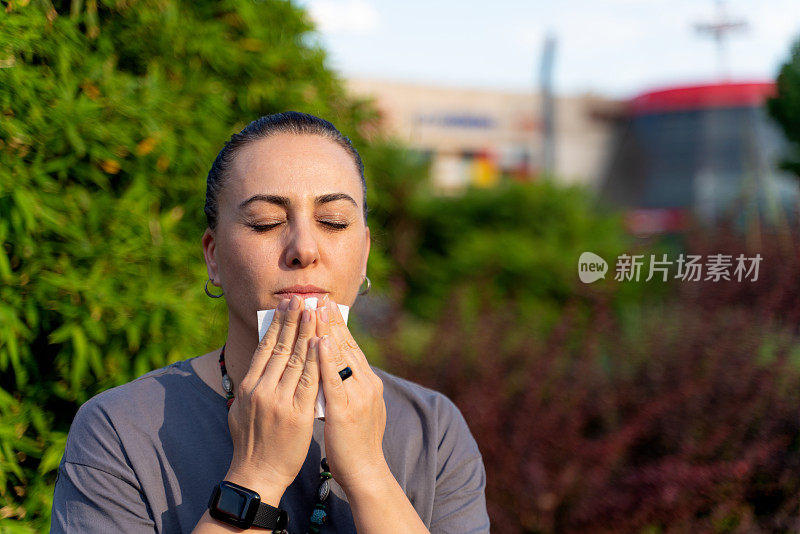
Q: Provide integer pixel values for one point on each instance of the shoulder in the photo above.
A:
(412, 407)
(404, 394)
(145, 391)
(101, 424)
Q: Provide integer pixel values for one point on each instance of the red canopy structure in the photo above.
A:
(699, 152)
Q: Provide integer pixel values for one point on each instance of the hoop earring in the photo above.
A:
(369, 286)
(210, 294)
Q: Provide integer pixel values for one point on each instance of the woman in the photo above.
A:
(286, 210)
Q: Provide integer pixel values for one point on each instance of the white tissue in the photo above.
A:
(265, 319)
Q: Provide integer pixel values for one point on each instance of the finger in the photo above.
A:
(345, 341)
(296, 364)
(330, 363)
(324, 321)
(265, 346)
(323, 326)
(285, 344)
(335, 318)
(306, 392)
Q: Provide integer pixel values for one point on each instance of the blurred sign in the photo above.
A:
(458, 120)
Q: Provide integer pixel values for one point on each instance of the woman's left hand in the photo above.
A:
(355, 413)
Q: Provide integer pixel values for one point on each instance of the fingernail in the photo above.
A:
(283, 305)
(323, 314)
(295, 304)
(306, 316)
(325, 300)
(312, 343)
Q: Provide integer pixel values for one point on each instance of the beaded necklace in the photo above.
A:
(320, 514)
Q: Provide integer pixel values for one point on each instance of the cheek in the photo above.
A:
(249, 258)
(345, 258)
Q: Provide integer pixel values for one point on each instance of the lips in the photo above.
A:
(304, 292)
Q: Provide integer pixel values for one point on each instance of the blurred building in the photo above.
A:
(701, 152)
(667, 156)
(480, 137)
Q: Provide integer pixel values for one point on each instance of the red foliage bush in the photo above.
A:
(776, 293)
(689, 425)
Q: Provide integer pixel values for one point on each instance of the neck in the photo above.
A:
(239, 349)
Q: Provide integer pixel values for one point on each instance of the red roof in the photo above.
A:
(701, 97)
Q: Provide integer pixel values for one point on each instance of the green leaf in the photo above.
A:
(80, 357)
(52, 454)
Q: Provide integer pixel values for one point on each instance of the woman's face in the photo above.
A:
(290, 220)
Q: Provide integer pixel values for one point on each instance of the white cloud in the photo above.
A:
(345, 17)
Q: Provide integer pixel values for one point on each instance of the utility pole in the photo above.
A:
(548, 112)
(719, 29)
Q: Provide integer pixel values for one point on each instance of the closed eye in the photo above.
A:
(330, 224)
(263, 227)
(335, 225)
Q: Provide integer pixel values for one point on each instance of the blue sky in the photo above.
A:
(610, 47)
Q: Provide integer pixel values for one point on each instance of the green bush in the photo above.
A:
(518, 243)
(785, 107)
(112, 113)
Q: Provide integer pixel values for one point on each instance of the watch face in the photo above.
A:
(234, 504)
(231, 503)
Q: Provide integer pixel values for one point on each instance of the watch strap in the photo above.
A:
(269, 517)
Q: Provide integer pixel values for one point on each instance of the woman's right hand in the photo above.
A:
(272, 417)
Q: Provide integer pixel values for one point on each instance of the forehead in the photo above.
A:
(293, 166)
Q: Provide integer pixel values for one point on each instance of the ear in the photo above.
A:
(209, 252)
(366, 250)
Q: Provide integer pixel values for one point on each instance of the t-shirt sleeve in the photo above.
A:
(459, 501)
(96, 489)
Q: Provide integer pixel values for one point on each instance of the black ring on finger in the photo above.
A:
(346, 373)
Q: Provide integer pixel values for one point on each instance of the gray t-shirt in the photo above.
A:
(145, 456)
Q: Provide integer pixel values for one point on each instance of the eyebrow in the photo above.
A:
(285, 202)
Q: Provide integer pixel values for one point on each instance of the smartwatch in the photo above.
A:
(242, 507)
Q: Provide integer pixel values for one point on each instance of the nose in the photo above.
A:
(301, 249)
